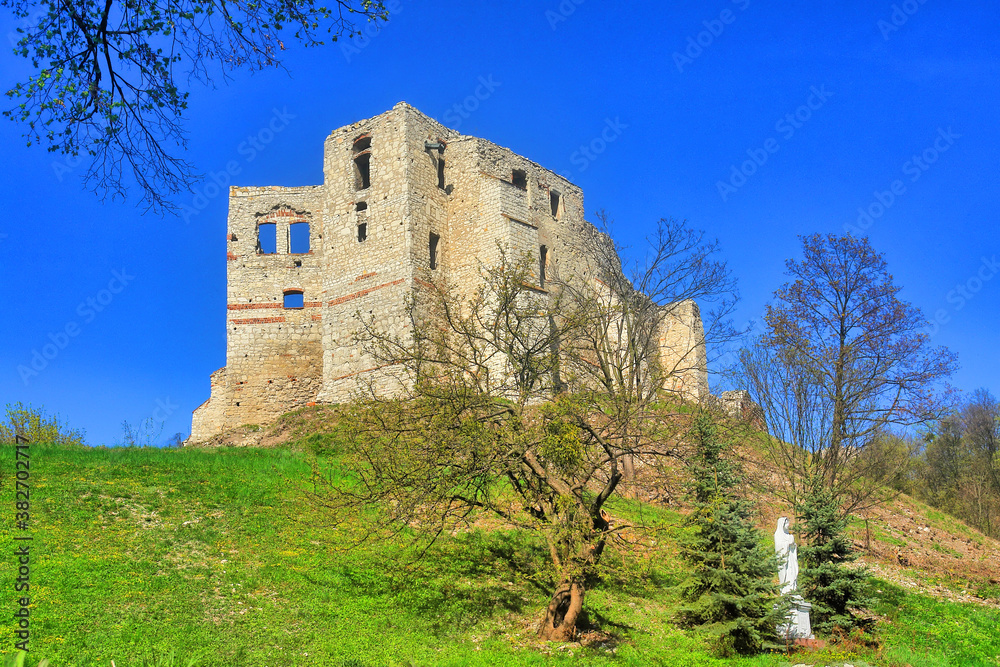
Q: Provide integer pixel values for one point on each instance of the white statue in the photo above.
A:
(788, 556)
(796, 625)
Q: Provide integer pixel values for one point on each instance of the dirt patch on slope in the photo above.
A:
(288, 428)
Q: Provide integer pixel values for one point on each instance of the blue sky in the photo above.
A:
(755, 122)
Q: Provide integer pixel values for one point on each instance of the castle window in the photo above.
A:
(362, 171)
(267, 238)
(294, 299)
(554, 203)
(543, 255)
(298, 238)
(441, 173)
(519, 179)
(434, 249)
(362, 232)
(361, 206)
(362, 143)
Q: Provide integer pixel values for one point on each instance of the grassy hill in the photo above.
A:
(213, 552)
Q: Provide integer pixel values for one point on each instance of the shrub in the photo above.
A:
(33, 424)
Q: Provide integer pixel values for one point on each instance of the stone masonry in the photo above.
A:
(405, 200)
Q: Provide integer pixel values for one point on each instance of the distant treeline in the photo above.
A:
(955, 466)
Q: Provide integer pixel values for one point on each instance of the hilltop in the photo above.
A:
(902, 539)
(213, 551)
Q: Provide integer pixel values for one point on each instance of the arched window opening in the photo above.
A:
(543, 256)
(434, 249)
(362, 143)
(362, 171)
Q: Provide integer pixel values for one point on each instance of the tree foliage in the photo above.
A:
(731, 593)
(109, 78)
(835, 590)
(842, 362)
(959, 468)
(32, 423)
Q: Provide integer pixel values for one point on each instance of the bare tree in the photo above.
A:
(491, 414)
(843, 361)
(646, 334)
(109, 77)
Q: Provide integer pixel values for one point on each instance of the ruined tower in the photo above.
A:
(404, 200)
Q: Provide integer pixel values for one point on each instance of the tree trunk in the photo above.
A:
(629, 464)
(559, 624)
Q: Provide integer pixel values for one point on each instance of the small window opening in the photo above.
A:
(441, 173)
(519, 179)
(267, 238)
(361, 206)
(298, 263)
(294, 299)
(554, 203)
(362, 232)
(434, 249)
(543, 255)
(298, 238)
(362, 172)
(362, 143)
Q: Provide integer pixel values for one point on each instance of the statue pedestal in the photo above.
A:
(797, 625)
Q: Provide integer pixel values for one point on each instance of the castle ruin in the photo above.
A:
(404, 200)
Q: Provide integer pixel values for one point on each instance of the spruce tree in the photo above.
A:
(732, 592)
(834, 589)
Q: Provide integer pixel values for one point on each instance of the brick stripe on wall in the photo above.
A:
(254, 306)
(350, 297)
(258, 320)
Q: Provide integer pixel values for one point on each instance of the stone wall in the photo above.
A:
(682, 351)
(273, 353)
(397, 189)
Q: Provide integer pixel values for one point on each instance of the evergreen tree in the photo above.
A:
(731, 593)
(834, 590)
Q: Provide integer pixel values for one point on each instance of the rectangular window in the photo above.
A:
(294, 300)
(362, 232)
(519, 179)
(441, 173)
(554, 203)
(434, 249)
(267, 238)
(298, 238)
(543, 256)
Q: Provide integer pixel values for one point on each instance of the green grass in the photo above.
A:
(140, 554)
(856, 529)
(925, 632)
